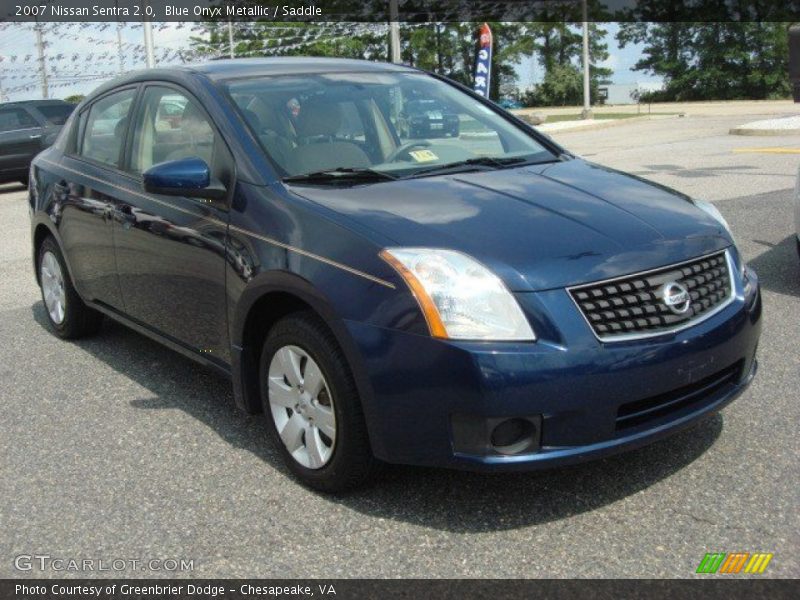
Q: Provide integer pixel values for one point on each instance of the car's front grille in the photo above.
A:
(641, 412)
(635, 306)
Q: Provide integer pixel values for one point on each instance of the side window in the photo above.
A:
(16, 118)
(171, 126)
(105, 127)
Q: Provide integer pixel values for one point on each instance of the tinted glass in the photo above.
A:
(105, 127)
(16, 118)
(171, 126)
(57, 114)
(397, 123)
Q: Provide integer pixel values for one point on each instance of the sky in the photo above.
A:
(18, 80)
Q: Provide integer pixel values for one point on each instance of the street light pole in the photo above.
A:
(230, 38)
(587, 103)
(394, 31)
(120, 53)
(148, 44)
(42, 61)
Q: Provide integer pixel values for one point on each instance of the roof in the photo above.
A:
(221, 70)
(287, 65)
(33, 103)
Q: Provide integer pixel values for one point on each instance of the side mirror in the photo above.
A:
(184, 177)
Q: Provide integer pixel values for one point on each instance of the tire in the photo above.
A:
(74, 320)
(325, 459)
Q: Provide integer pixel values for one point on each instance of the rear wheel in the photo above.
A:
(67, 314)
(312, 405)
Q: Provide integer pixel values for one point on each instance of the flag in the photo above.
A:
(483, 64)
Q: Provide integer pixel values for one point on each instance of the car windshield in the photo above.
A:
(395, 124)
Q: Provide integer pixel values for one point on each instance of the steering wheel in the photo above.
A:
(403, 148)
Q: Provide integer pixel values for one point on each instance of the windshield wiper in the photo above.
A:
(480, 161)
(341, 174)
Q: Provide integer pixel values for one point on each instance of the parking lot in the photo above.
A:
(115, 447)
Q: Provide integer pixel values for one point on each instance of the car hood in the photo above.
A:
(537, 227)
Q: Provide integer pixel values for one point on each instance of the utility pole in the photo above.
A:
(394, 31)
(148, 44)
(120, 53)
(587, 102)
(230, 38)
(42, 61)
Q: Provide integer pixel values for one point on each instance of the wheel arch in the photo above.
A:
(268, 298)
(40, 232)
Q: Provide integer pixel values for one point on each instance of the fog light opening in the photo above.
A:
(513, 436)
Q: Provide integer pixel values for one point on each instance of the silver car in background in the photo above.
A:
(797, 212)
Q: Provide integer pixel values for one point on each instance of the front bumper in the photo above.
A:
(577, 389)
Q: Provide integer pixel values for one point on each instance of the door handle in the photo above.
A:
(35, 136)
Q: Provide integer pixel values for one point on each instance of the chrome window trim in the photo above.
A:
(629, 337)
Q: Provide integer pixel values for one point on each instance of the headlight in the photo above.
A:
(714, 213)
(460, 298)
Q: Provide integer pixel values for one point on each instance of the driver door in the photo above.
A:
(171, 250)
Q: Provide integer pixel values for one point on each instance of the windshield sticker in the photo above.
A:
(423, 155)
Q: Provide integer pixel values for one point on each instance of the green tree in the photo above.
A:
(559, 50)
(713, 60)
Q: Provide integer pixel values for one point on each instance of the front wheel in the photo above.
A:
(312, 404)
(68, 316)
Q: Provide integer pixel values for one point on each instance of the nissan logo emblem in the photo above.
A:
(676, 297)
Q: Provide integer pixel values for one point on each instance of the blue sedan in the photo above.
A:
(485, 300)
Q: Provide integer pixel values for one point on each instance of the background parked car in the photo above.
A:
(427, 119)
(509, 103)
(27, 128)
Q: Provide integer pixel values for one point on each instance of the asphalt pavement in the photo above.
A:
(117, 448)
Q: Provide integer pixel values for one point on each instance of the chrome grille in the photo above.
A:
(633, 306)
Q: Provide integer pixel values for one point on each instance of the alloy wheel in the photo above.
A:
(53, 287)
(302, 407)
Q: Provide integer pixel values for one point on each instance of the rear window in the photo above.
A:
(57, 114)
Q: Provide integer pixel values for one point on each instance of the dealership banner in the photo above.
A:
(483, 63)
(416, 11)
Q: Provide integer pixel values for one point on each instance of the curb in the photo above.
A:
(604, 123)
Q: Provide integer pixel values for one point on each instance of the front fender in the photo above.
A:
(244, 359)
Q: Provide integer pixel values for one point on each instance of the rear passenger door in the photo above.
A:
(88, 193)
(171, 250)
(20, 141)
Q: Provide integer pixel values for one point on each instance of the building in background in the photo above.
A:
(625, 93)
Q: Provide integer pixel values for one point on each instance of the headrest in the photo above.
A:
(252, 119)
(318, 117)
(191, 113)
(120, 127)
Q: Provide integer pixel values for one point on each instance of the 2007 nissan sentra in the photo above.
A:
(476, 298)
